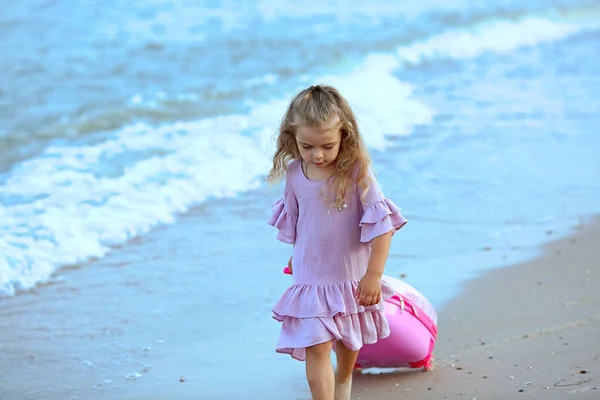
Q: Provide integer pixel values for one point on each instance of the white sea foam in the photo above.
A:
(351, 11)
(495, 36)
(71, 204)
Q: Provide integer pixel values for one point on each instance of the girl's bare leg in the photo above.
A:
(346, 359)
(319, 371)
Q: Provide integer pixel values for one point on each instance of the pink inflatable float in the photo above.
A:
(413, 331)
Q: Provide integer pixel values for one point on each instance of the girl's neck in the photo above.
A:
(313, 173)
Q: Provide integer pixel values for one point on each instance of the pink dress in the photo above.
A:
(331, 254)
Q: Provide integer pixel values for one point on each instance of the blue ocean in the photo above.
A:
(135, 138)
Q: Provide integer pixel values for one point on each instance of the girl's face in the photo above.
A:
(320, 145)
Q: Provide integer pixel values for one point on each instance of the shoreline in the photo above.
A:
(529, 326)
(527, 331)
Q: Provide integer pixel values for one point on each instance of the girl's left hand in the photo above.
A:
(368, 292)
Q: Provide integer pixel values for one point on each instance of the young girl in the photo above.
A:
(341, 225)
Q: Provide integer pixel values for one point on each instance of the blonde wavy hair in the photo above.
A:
(315, 106)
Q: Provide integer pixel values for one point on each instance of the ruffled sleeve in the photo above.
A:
(285, 215)
(380, 214)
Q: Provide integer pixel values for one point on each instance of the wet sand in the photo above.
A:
(530, 331)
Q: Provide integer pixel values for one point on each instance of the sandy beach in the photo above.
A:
(529, 331)
(136, 262)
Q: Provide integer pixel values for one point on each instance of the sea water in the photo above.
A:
(146, 128)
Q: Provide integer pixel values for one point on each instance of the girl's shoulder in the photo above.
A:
(291, 170)
(369, 190)
(292, 166)
(370, 174)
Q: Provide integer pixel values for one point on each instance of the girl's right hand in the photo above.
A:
(290, 265)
